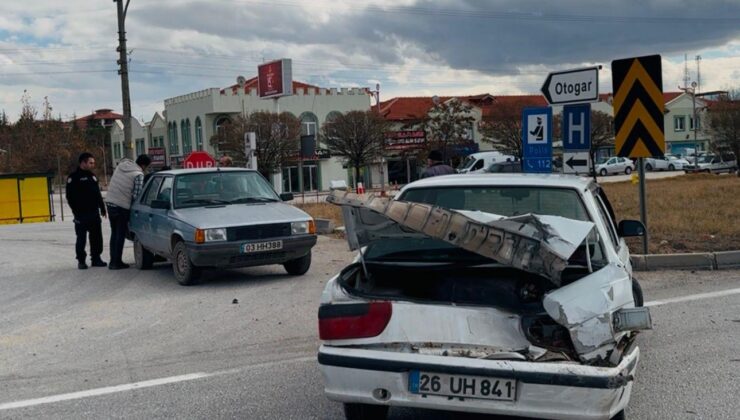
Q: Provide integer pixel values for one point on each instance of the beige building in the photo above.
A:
(192, 119)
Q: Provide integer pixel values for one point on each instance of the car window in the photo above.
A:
(151, 192)
(505, 201)
(478, 165)
(222, 187)
(611, 161)
(608, 223)
(165, 191)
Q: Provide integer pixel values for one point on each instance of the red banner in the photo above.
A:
(404, 140)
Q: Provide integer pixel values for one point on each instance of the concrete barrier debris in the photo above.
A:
(698, 261)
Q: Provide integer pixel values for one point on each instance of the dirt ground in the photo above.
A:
(692, 213)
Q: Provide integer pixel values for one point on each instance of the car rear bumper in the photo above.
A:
(230, 255)
(544, 390)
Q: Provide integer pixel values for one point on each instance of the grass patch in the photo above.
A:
(692, 213)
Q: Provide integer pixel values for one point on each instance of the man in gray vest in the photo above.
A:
(125, 186)
(436, 166)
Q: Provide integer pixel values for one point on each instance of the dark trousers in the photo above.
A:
(118, 217)
(85, 226)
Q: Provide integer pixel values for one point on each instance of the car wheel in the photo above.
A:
(602, 172)
(298, 266)
(185, 272)
(365, 411)
(627, 170)
(143, 259)
(619, 416)
(648, 167)
(637, 293)
(671, 167)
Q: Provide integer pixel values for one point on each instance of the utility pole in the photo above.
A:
(128, 150)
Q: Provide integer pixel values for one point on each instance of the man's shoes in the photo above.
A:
(98, 263)
(118, 266)
(81, 265)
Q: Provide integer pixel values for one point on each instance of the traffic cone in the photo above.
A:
(360, 188)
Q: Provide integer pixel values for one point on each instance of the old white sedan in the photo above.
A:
(506, 294)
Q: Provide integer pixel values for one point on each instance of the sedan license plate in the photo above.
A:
(262, 246)
(462, 386)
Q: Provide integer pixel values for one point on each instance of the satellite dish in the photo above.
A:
(693, 84)
(241, 81)
(435, 99)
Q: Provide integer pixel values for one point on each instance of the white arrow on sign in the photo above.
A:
(572, 86)
(576, 162)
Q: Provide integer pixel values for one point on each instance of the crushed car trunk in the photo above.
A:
(564, 312)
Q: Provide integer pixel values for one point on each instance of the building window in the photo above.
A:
(309, 124)
(198, 134)
(679, 123)
(116, 150)
(698, 123)
(140, 146)
(332, 116)
(187, 145)
(174, 144)
(151, 139)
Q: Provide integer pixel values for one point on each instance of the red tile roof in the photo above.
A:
(99, 115)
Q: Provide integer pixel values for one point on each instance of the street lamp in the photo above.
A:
(695, 126)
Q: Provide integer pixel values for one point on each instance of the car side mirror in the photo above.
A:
(286, 196)
(161, 204)
(629, 228)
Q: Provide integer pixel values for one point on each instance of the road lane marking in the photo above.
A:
(140, 385)
(698, 296)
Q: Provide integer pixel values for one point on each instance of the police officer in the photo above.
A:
(86, 202)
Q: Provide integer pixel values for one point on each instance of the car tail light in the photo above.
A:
(355, 320)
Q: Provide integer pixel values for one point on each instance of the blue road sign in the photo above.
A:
(537, 140)
(577, 127)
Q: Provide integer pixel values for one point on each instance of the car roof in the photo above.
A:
(202, 170)
(505, 179)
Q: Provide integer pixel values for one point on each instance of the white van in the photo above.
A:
(479, 162)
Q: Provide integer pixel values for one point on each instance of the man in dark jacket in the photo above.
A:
(435, 165)
(86, 202)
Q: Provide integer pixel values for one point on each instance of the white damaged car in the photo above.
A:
(504, 294)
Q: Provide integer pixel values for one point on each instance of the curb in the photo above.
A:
(698, 261)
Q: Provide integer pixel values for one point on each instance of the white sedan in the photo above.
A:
(521, 302)
(667, 163)
(615, 165)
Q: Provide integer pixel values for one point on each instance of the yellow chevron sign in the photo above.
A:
(638, 107)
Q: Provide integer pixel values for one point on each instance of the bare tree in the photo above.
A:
(602, 132)
(447, 124)
(724, 123)
(503, 126)
(356, 136)
(277, 139)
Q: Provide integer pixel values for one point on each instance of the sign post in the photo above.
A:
(537, 140)
(638, 115)
(576, 138)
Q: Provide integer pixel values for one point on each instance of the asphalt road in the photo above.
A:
(133, 344)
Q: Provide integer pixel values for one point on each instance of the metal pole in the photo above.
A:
(105, 166)
(123, 71)
(643, 204)
(696, 126)
(61, 201)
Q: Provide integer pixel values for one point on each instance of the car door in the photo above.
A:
(140, 212)
(161, 226)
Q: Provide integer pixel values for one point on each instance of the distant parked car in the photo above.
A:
(677, 163)
(710, 163)
(226, 217)
(667, 163)
(500, 167)
(614, 165)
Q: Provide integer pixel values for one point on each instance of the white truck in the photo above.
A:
(479, 162)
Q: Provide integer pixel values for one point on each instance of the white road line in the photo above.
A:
(698, 296)
(139, 385)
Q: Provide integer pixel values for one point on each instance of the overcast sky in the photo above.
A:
(65, 50)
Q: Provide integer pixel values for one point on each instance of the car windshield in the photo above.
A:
(468, 162)
(602, 160)
(222, 187)
(504, 201)
(706, 159)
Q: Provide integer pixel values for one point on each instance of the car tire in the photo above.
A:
(143, 258)
(298, 266)
(637, 293)
(671, 167)
(620, 416)
(365, 411)
(648, 167)
(602, 172)
(185, 272)
(627, 170)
